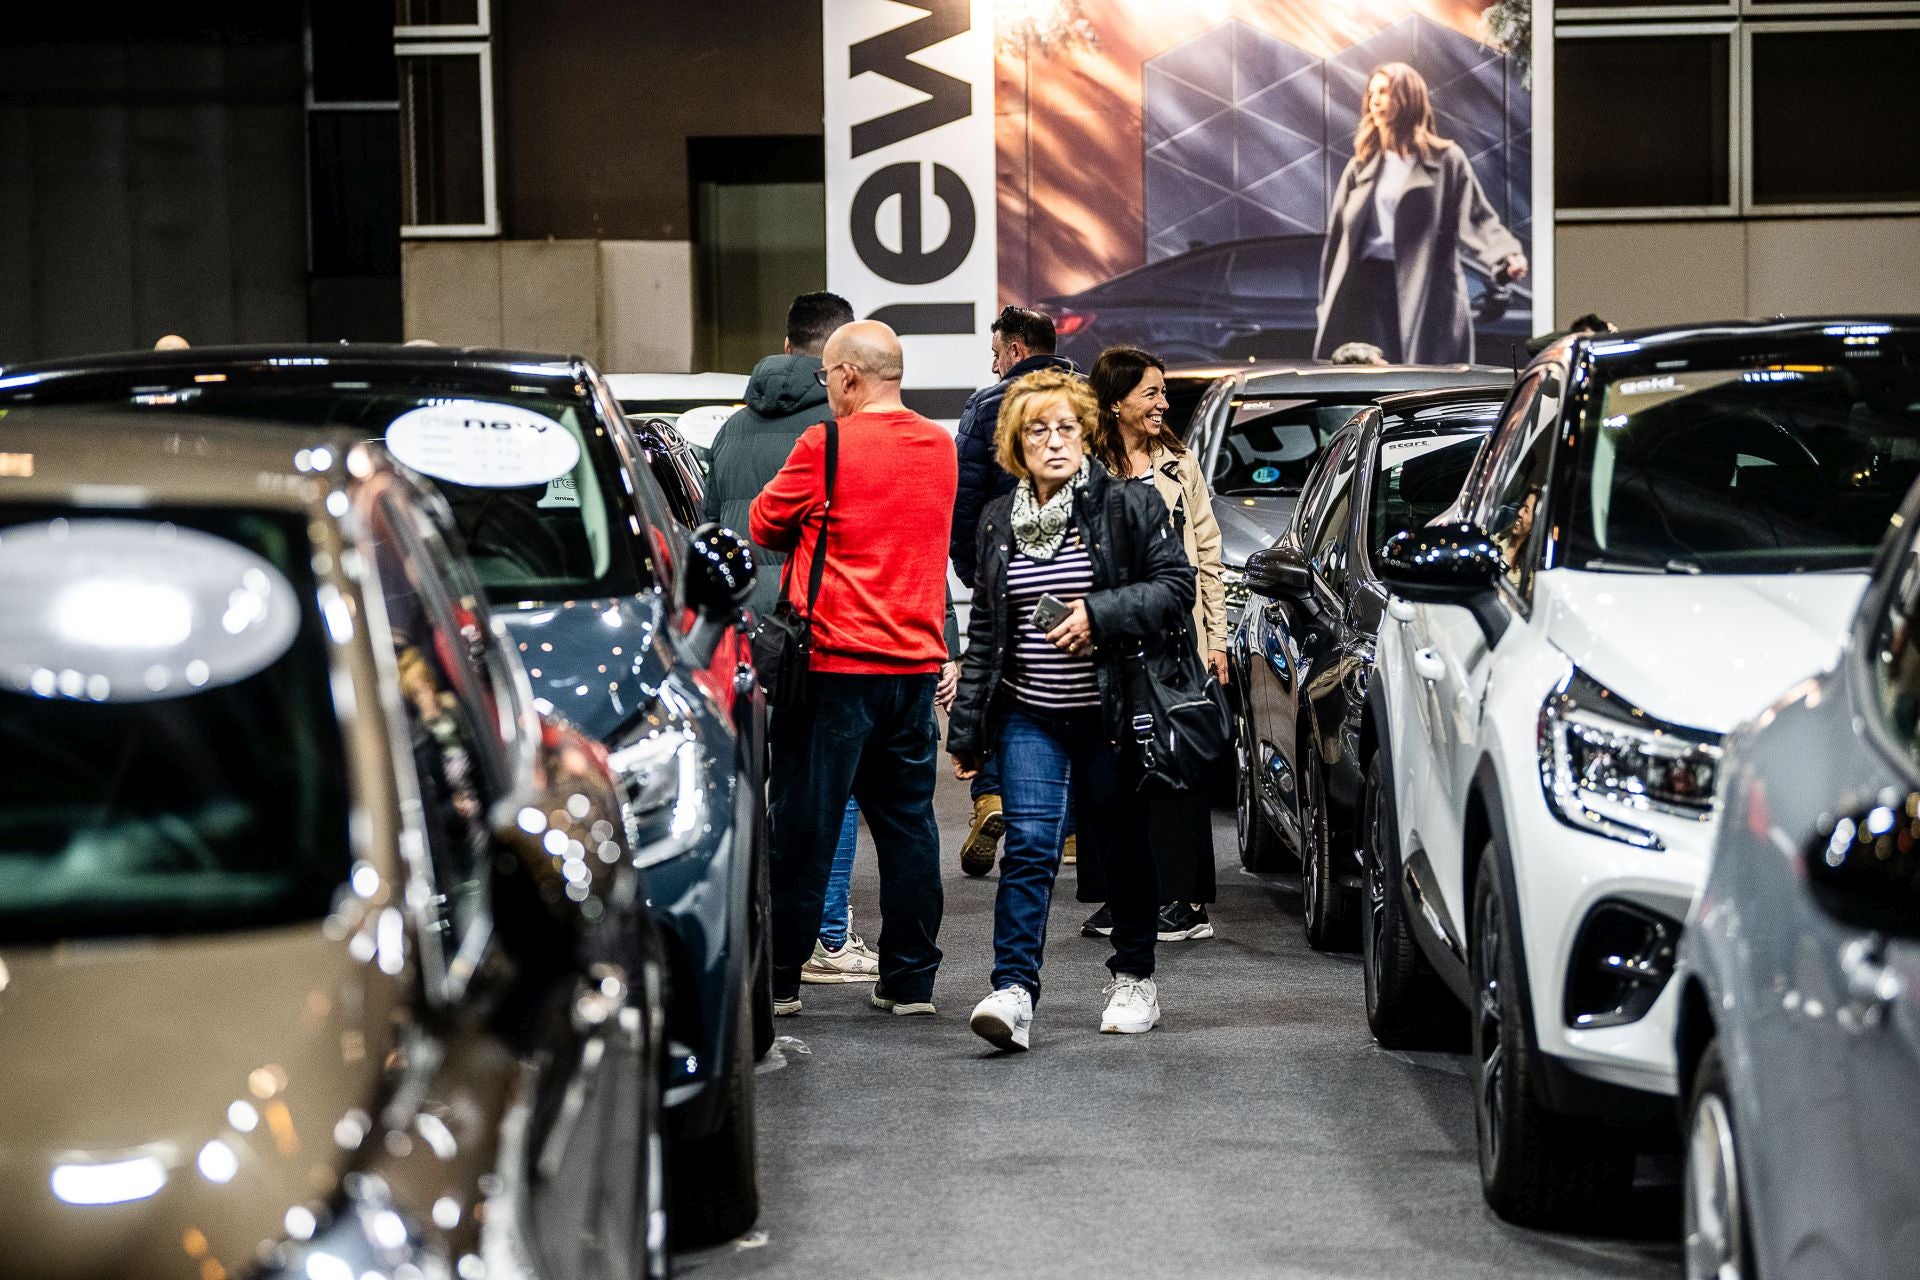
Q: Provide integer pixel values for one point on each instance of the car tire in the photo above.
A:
(714, 1182)
(1538, 1168)
(1260, 847)
(1329, 910)
(1408, 1007)
(1717, 1243)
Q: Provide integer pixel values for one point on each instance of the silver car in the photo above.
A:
(1799, 1034)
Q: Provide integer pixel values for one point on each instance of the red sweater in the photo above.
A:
(883, 599)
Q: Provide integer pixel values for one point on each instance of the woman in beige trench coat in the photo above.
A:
(1405, 211)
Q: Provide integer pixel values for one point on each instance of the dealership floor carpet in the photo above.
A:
(1257, 1133)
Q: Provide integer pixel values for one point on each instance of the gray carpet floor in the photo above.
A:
(1259, 1132)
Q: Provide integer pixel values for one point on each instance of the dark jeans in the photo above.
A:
(872, 738)
(987, 783)
(1039, 753)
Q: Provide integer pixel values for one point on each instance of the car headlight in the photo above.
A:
(1604, 762)
(366, 1237)
(664, 786)
(1235, 581)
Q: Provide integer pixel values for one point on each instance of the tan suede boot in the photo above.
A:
(1070, 851)
(983, 837)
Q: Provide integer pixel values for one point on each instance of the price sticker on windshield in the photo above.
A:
(483, 444)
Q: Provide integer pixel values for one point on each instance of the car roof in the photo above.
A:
(678, 386)
(1370, 381)
(94, 458)
(1631, 342)
(479, 367)
(1410, 402)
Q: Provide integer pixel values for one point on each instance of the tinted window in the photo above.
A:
(1610, 159)
(1271, 445)
(1515, 493)
(1416, 480)
(1189, 277)
(221, 806)
(1284, 269)
(1794, 462)
(1896, 657)
(1326, 536)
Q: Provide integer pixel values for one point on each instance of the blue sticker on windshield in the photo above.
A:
(1265, 475)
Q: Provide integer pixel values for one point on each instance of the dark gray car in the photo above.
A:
(1799, 1033)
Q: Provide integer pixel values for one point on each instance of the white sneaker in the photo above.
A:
(786, 1008)
(904, 1008)
(1134, 1005)
(844, 965)
(1005, 1018)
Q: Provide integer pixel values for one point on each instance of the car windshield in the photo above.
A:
(1789, 464)
(530, 474)
(1418, 477)
(1271, 444)
(173, 761)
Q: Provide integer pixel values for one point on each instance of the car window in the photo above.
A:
(1327, 539)
(173, 764)
(1272, 444)
(1192, 276)
(1306, 516)
(1896, 657)
(1515, 493)
(1416, 479)
(1277, 270)
(452, 713)
(1794, 462)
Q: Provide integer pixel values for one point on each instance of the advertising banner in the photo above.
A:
(910, 182)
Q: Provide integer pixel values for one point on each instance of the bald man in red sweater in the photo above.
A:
(878, 646)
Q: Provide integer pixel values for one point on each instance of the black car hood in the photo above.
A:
(596, 661)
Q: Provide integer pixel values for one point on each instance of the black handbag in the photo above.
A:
(783, 640)
(1176, 712)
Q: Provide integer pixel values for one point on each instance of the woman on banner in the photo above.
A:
(1075, 572)
(1407, 208)
(1135, 444)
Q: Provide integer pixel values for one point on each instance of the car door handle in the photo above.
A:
(1401, 611)
(1869, 979)
(1428, 665)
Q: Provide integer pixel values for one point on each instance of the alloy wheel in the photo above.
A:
(1714, 1228)
(1488, 1011)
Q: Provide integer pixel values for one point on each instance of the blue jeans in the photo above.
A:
(872, 738)
(837, 916)
(1053, 763)
(987, 783)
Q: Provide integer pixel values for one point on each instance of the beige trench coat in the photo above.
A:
(1443, 214)
(1177, 478)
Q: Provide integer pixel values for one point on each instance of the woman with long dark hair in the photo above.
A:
(1135, 444)
(1406, 209)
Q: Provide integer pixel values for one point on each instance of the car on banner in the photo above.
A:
(581, 559)
(1796, 1038)
(696, 405)
(322, 948)
(1302, 653)
(1259, 430)
(1252, 299)
(1668, 529)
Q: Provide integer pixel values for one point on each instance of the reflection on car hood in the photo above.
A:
(220, 1065)
(1706, 651)
(594, 660)
(1250, 523)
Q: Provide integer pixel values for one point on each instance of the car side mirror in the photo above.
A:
(718, 578)
(1864, 871)
(1277, 572)
(1447, 564)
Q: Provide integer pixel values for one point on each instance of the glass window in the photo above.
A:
(1835, 116)
(210, 803)
(1896, 658)
(1516, 483)
(436, 13)
(1278, 269)
(1327, 541)
(1191, 276)
(1793, 462)
(1608, 159)
(1271, 445)
(1418, 478)
(444, 138)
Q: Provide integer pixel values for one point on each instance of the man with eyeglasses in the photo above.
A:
(879, 644)
(1022, 341)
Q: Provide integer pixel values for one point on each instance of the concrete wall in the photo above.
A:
(1640, 273)
(625, 305)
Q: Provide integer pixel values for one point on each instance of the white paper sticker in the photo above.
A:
(698, 426)
(1395, 453)
(560, 493)
(483, 444)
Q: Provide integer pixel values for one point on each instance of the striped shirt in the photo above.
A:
(1042, 676)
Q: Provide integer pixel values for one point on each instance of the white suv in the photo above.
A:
(1667, 530)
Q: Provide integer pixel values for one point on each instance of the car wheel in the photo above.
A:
(1329, 909)
(715, 1190)
(1407, 1005)
(1260, 847)
(1717, 1244)
(1537, 1168)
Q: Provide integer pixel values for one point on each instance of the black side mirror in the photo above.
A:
(1447, 564)
(719, 576)
(1279, 571)
(1864, 871)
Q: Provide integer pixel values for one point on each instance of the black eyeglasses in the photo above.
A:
(820, 374)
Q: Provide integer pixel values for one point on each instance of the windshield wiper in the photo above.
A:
(1643, 566)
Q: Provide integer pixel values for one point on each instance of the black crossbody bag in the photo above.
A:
(1176, 713)
(783, 640)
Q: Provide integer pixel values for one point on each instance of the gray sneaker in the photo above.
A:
(902, 1008)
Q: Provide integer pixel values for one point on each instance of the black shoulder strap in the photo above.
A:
(819, 568)
(1120, 544)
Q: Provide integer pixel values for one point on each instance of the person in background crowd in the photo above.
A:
(1406, 209)
(171, 342)
(1022, 342)
(1358, 353)
(1588, 323)
(1134, 444)
(879, 646)
(1047, 700)
(784, 398)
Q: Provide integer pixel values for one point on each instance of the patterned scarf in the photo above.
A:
(1038, 531)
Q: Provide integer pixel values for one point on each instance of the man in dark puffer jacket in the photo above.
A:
(1022, 342)
(784, 398)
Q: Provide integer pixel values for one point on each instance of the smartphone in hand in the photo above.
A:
(1049, 613)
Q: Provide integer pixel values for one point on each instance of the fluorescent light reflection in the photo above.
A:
(119, 1182)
